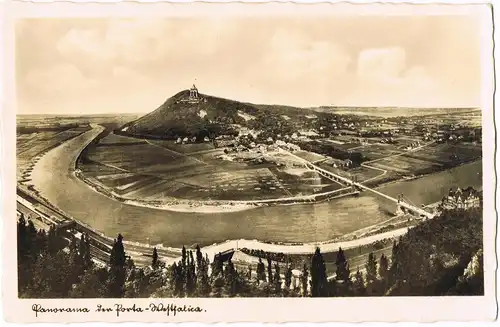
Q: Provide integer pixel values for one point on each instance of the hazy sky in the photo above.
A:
(132, 65)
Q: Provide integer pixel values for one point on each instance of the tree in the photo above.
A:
(269, 270)
(261, 274)
(304, 278)
(90, 285)
(319, 285)
(87, 257)
(288, 277)
(177, 279)
(277, 279)
(359, 284)
(190, 274)
(117, 270)
(217, 265)
(231, 279)
(371, 268)
(342, 272)
(183, 252)
(118, 257)
(199, 257)
(395, 271)
(203, 280)
(154, 262)
(383, 268)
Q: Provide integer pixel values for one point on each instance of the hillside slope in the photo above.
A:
(180, 117)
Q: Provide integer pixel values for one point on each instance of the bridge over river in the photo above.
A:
(349, 182)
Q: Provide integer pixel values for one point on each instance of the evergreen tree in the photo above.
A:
(154, 262)
(343, 271)
(117, 268)
(395, 271)
(199, 257)
(383, 268)
(217, 265)
(23, 261)
(184, 256)
(319, 285)
(231, 279)
(277, 279)
(190, 275)
(175, 279)
(371, 268)
(269, 270)
(87, 257)
(304, 278)
(359, 284)
(202, 278)
(288, 277)
(261, 271)
(52, 240)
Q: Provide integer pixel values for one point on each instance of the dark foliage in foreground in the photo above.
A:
(442, 256)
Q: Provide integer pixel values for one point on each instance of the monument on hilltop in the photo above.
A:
(193, 97)
(193, 93)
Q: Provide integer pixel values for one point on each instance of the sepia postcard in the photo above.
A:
(237, 162)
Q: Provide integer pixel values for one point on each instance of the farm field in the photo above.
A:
(156, 170)
(378, 151)
(446, 154)
(406, 165)
(184, 148)
(430, 159)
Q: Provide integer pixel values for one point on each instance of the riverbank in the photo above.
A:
(215, 206)
(388, 182)
(284, 224)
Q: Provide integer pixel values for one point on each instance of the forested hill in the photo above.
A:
(442, 256)
(208, 115)
(177, 117)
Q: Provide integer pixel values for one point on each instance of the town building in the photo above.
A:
(462, 199)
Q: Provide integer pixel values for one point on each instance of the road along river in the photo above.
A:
(53, 176)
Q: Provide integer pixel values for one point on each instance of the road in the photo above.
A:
(307, 248)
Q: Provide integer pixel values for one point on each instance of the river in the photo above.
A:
(53, 177)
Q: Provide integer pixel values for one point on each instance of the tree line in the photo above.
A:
(442, 256)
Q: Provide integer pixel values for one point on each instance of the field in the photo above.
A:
(389, 162)
(161, 170)
(184, 148)
(378, 151)
(309, 156)
(429, 159)
(31, 145)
